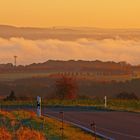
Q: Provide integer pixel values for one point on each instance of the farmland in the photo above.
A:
(9, 77)
(79, 75)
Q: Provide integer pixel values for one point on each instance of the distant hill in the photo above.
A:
(72, 66)
(68, 33)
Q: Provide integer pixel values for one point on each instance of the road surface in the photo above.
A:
(114, 124)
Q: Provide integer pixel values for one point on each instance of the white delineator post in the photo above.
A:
(38, 106)
(105, 98)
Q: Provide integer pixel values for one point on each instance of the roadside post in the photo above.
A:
(105, 101)
(93, 127)
(62, 126)
(38, 106)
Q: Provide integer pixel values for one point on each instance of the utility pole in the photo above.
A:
(15, 60)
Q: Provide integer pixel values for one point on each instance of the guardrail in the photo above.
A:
(83, 128)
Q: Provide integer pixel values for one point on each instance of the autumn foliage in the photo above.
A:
(66, 88)
(5, 134)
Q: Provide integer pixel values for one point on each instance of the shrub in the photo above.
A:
(126, 95)
(11, 97)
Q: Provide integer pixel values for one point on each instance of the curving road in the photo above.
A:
(114, 124)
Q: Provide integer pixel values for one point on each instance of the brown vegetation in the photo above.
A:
(66, 88)
(27, 134)
(5, 134)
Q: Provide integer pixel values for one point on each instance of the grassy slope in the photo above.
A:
(21, 125)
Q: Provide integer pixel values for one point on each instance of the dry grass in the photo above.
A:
(70, 132)
(27, 134)
(11, 120)
(13, 129)
(5, 134)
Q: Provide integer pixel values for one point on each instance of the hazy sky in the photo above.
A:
(95, 13)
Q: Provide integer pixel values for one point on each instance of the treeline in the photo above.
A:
(68, 88)
(72, 66)
(67, 95)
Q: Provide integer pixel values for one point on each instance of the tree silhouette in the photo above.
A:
(11, 97)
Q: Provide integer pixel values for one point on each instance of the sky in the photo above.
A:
(73, 13)
(92, 13)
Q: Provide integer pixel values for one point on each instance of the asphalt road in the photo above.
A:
(117, 125)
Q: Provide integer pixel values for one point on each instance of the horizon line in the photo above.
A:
(69, 26)
(109, 61)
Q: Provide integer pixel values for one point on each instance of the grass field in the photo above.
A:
(23, 125)
(114, 104)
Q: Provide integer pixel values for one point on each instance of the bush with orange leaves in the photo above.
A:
(27, 134)
(7, 114)
(4, 134)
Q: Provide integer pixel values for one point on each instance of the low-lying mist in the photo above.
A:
(34, 51)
